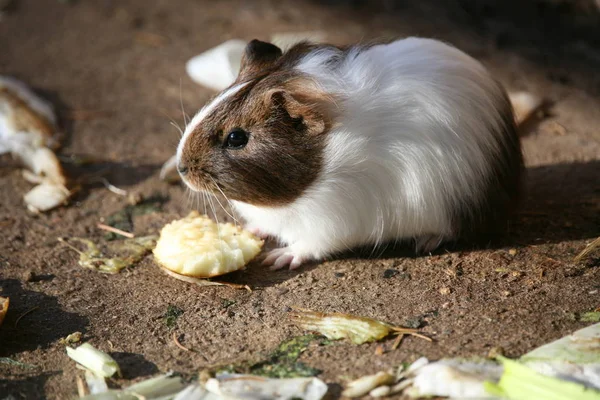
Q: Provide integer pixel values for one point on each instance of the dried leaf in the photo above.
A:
(345, 326)
(74, 337)
(129, 252)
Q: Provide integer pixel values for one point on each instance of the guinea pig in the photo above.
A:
(331, 148)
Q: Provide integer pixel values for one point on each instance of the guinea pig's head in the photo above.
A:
(260, 141)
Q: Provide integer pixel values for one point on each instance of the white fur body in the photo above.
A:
(412, 144)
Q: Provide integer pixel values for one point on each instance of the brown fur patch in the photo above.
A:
(286, 116)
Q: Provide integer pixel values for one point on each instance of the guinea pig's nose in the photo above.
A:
(182, 169)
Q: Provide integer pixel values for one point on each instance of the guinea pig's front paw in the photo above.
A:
(279, 258)
(256, 231)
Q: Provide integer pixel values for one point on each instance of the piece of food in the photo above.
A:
(28, 131)
(74, 337)
(95, 360)
(46, 196)
(25, 118)
(252, 387)
(366, 384)
(162, 387)
(337, 326)
(525, 104)
(576, 356)
(157, 387)
(95, 383)
(218, 67)
(519, 382)
(454, 378)
(3, 308)
(198, 247)
(125, 252)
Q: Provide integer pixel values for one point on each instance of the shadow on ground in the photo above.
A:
(31, 387)
(34, 320)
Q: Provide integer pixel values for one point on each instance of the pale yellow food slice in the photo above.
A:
(3, 308)
(196, 246)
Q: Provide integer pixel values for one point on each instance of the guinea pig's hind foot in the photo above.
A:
(284, 256)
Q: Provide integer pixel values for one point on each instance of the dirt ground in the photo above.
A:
(126, 58)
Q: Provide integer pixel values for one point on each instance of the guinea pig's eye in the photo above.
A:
(236, 139)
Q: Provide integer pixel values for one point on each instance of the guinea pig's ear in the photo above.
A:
(257, 57)
(302, 113)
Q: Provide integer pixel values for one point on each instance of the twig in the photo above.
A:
(178, 344)
(397, 341)
(81, 387)
(411, 332)
(24, 314)
(115, 230)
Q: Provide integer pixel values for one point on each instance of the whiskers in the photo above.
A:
(229, 203)
(209, 194)
(176, 125)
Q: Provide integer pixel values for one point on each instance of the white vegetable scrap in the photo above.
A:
(218, 67)
(163, 387)
(453, 378)
(158, 387)
(524, 104)
(571, 366)
(575, 357)
(96, 361)
(251, 387)
(366, 384)
(28, 131)
(198, 247)
(95, 383)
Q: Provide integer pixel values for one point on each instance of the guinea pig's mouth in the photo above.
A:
(201, 181)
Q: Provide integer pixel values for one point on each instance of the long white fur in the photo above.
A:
(413, 143)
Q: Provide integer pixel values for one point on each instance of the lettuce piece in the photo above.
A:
(519, 382)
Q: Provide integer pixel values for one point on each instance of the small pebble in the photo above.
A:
(388, 273)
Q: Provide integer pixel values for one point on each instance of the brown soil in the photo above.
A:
(127, 58)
